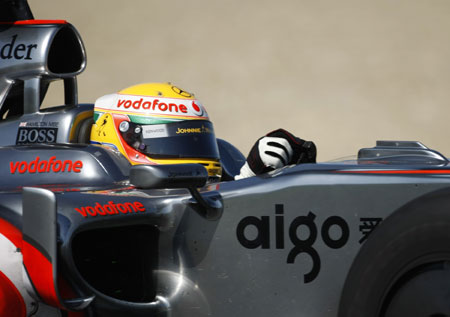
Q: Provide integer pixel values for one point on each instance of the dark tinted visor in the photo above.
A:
(185, 139)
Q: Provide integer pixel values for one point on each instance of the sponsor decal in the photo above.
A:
(171, 106)
(367, 226)
(13, 50)
(188, 130)
(301, 244)
(45, 166)
(39, 124)
(154, 131)
(163, 130)
(111, 208)
(37, 132)
(303, 232)
(198, 110)
(36, 135)
(203, 129)
(152, 104)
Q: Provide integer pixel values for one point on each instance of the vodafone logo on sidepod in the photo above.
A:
(170, 106)
(45, 166)
(111, 208)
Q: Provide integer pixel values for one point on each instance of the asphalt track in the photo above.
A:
(341, 73)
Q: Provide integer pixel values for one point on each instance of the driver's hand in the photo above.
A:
(279, 148)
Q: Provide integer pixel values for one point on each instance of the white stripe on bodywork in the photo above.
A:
(11, 264)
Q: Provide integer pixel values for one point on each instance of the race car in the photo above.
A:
(84, 233)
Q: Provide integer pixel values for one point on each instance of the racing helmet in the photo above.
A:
(157, 123)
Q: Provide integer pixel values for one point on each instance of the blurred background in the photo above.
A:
(341, 73)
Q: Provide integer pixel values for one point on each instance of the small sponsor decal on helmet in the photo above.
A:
(201, 129)
(198, 109)
(154, 131)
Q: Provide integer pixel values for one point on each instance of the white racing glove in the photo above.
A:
(279, 148)
(273, 153)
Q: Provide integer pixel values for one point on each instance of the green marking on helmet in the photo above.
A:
(149, 120)
(96, 115)
(140, 119)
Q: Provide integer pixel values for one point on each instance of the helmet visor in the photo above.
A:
(184, 139)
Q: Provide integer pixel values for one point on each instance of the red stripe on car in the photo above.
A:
(35, 22)
(11, 233)
(11, 301)
(40, 271)
(435, 171)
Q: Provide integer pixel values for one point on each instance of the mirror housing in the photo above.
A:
(168, 176)
(190, 176)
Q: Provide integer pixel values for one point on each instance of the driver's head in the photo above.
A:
(157, 123)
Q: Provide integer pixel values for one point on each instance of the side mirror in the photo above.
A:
(190, 176)
(168, 176)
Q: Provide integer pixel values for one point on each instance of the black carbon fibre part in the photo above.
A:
(15, 10)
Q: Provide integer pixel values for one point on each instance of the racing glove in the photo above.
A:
(277, 149)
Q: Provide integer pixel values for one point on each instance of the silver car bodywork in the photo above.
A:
(83, 231)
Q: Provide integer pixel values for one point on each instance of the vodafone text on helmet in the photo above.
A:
(154, 104)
